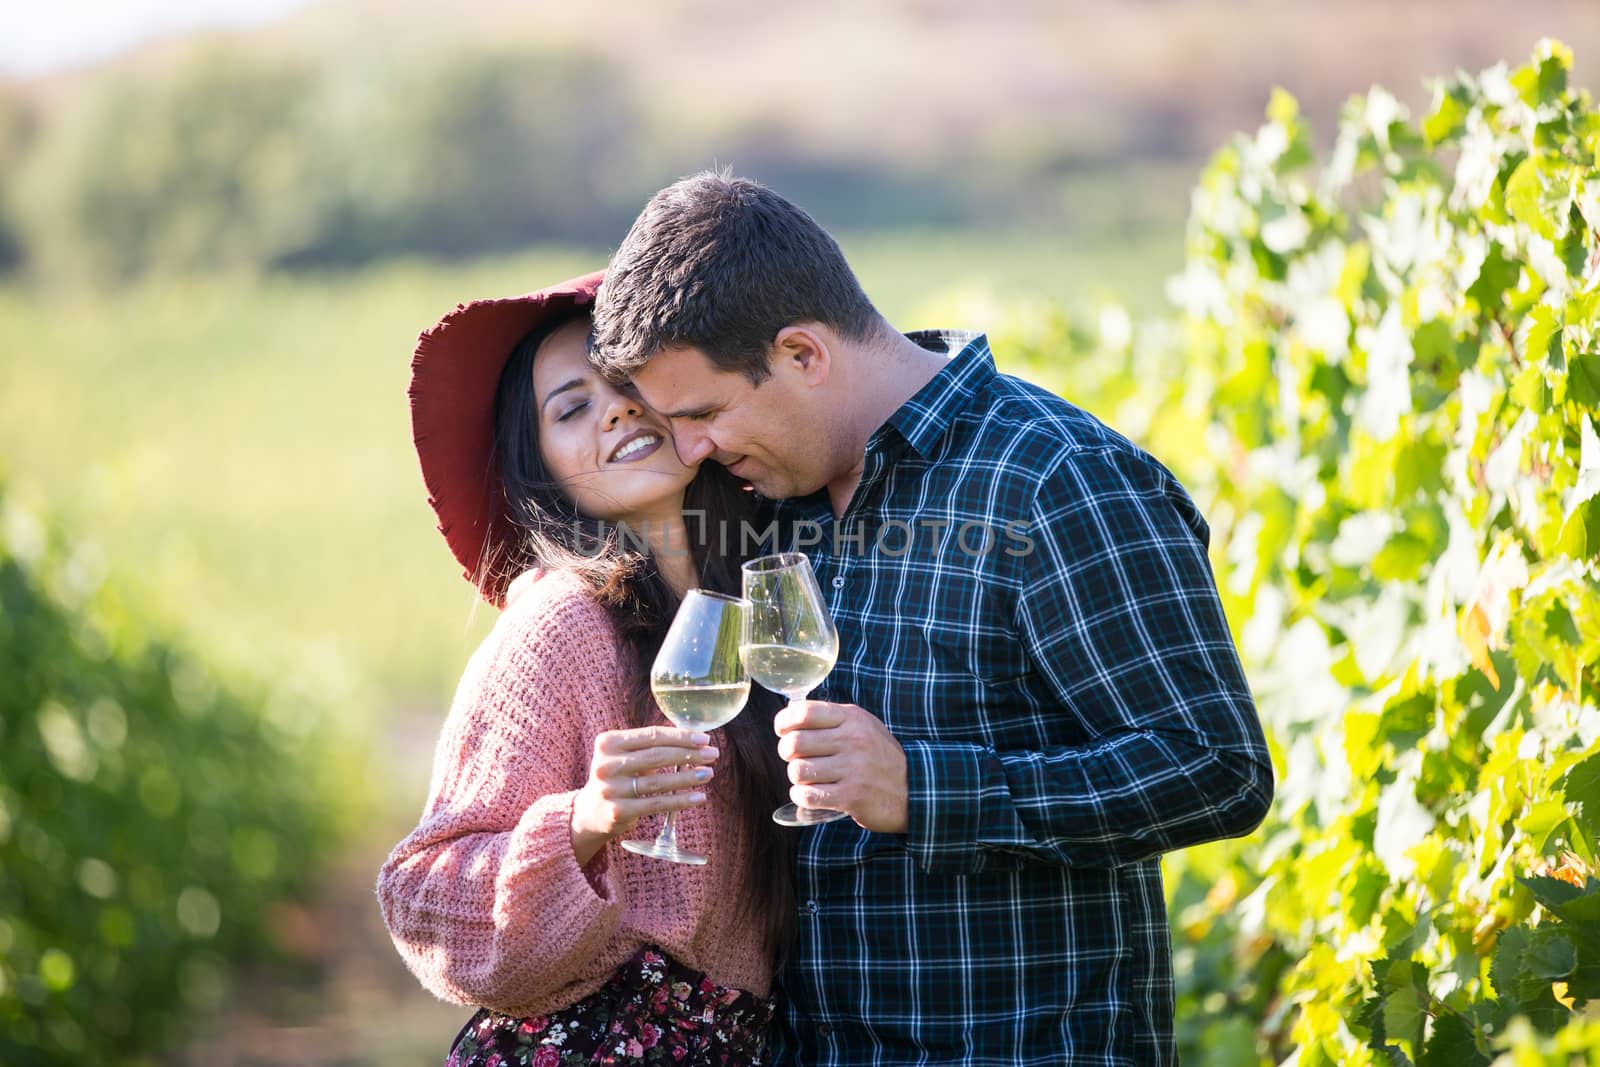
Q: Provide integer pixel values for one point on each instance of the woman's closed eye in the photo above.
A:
(571, 411)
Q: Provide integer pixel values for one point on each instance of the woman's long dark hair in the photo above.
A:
(641, 605)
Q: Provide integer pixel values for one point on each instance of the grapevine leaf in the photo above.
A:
(1554, 66)
(1588, 484)
(1544, 1010)
(1530, 390)
(1407, 719)
(1395, 1055)
(1487, 1016)
(1365, 894)
(1583, 380)
(1565, 900)
(1585, 909)
(1574, 247)
(1539, 195)
(1582, 787)
(1282, 107)
(1507, 970)
(1451, 1044)
(1584, 981)
(1405, 987)
(1552, 893)
(1497, 274)
(1580, 533)
(1536, 86)
(1540, 820)
(1551, 955)
(1448, 118)
(1418, 468)
(1538, 336)
(1368, 1019)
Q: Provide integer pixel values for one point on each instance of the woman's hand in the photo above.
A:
(627, 782)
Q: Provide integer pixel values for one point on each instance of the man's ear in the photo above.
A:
(805, 349)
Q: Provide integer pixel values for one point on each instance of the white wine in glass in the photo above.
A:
(784, 670)
(700, 683)
(701, 707)
(792, 644)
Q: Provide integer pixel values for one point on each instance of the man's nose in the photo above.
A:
(691, 445)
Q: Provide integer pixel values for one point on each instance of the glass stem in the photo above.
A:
(668, 837)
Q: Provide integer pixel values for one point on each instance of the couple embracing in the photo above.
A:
(1020, 722)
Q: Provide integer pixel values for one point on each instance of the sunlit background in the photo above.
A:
(222, 226)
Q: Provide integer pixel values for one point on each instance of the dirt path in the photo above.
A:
(357, 1006)
(353, 1003)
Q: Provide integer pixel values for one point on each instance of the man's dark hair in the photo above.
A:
(721, 264)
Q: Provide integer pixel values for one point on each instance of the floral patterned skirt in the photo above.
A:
(653, 1010)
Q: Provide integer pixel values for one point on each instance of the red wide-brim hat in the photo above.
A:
(455, 371)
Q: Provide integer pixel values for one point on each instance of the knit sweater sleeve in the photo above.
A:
(485, 899)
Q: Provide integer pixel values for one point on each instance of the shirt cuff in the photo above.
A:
(958, 801)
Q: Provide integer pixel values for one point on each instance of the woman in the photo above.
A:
(513, 893)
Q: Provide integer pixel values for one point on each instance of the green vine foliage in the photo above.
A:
(1383, 388)
(153, 818)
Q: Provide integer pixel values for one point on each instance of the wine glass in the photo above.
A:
(700, 683)
(792, 644)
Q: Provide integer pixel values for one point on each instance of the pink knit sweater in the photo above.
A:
(485, 899)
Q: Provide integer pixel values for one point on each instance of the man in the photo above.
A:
(1036, 694)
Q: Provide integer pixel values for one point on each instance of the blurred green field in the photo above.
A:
(239, 447)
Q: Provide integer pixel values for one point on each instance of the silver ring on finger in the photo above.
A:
(636, 787)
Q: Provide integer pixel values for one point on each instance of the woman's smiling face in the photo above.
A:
(610, 454)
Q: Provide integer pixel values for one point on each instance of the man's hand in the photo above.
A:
(842, 757)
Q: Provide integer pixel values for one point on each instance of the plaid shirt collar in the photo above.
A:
(923, 419)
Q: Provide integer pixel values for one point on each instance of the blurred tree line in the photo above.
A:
(230, 159)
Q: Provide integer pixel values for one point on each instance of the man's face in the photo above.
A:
(762, 434)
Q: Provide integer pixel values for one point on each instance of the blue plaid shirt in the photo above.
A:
(1024, 598)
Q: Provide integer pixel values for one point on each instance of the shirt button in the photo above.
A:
(824, 1029)
(838, 581)
(811, 906)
